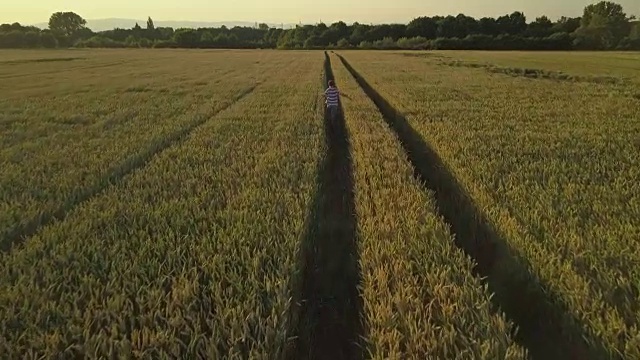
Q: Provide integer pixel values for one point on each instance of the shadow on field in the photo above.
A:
(546, 329)
(330, 307)
(20, 233)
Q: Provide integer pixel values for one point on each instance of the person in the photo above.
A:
(332, 96)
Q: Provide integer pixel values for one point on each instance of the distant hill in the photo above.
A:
(109, 24)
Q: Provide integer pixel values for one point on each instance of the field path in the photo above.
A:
(330, 304)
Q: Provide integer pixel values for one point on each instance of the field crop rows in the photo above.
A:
(192, 254)
(554, 167)
(175, 204)
(85, 140)
(420, 297)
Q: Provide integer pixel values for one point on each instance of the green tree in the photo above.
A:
(604, 24)
(131, 41)
(207, 39)
(312, 42)
(488, 26)
(66, 24)
(606, 9)
(343, 44)
(422, 26)
(447, 27)
(566, 25)
(540, 28)
(14, 39)
(31, 39)
(517, 23)
(48, 40)
(187, 38)
(635, 31)
(150, 25)
(144, 42)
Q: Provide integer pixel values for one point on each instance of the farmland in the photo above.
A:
(183, 203)
(552, 165)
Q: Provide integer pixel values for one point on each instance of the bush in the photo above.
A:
(164, 44)
(312, 42)
(47, 40)
(560, 41)
(343, 44)
(365, 45)
(13, 39)
(99, 41)
(478, 42)
(414, 43)
(145, 43)
(629, 44)
(131, 41)
(31, 39)
(446, 44)
(385, 44)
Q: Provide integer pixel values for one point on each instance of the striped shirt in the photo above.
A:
(332, 96)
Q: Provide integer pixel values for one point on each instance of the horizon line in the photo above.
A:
(348, 22)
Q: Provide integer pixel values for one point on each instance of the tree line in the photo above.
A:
(603, 26)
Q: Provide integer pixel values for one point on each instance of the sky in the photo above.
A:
(291, 11)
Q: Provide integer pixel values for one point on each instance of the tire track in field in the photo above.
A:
(21, 233)
(328, 302)
(542, 326)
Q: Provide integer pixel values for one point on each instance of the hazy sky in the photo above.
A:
(290, 11)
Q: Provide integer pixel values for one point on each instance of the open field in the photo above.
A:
(552, 166)
(177, 203)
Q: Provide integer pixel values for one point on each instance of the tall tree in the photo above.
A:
(607, 14)
(567, 25)
(540, 28)
(606, 9)
(466, 25)
(66, 24)
(447, 27)
(359, 33)
(341, 29)
(423, 26)
(488, 26)
(150, 25)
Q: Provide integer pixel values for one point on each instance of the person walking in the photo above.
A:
(332, 96)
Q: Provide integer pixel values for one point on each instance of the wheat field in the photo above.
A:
(201, 204)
